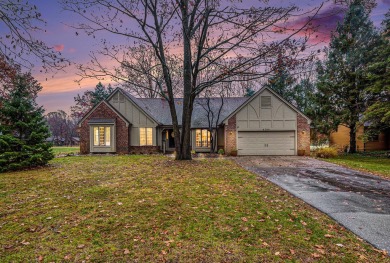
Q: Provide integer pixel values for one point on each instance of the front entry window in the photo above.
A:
(102, 136)
(202, 138)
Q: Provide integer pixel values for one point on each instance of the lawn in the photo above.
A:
(152, 209)
(373, 164)
(63, 150)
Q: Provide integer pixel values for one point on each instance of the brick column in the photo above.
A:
(230, 135)
(303, 134)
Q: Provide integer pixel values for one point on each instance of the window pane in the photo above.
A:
(108, 136)
(205, 138)
(149, 136)
(95, 136)
(142, 136)
(198, 139)
(101, 136)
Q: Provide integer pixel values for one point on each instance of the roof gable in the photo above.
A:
(135, 101)
(96, 106)
(258, 94)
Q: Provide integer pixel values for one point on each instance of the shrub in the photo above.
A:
(326, 152)
(221, 151)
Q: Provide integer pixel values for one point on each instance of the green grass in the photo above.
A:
(62, 150)
(152, 209)
(373, 164)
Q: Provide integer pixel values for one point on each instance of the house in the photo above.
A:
(340, 139)
(264, 124)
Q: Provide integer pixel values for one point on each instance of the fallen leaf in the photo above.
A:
(340, 245)
(24, 242)
(120, 203)
(303, 223)
(292, 251)
(315, 255)
(126, 251)
(328, 236)
(321, 251)
(40, 258)
(277, 253)
(244, 219)
(163, 252)
(265, 244)
(81, 246)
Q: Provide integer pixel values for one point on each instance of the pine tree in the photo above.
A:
(378, 90)
(23, 129)
(343, 83)
(282, 83)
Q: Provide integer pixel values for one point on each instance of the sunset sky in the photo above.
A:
(60, 88)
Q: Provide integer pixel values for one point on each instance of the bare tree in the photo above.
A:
(229, 38)
(21, 19)
(212, 106)
(62, 127)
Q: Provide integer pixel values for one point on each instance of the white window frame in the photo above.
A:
(97, 140)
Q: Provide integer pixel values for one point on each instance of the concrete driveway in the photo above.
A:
(359, 201)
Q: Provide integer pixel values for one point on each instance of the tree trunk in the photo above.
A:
(352, 138)
(183, 151)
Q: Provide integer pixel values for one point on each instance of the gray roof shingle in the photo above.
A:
(159, 109)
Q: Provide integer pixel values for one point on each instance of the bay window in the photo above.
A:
(102, 136)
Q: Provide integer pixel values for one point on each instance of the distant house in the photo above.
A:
(340, 139)
(56, 140)
(264, 124)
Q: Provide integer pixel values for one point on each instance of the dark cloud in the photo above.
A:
(322, 24)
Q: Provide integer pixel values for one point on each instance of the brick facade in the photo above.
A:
(230, 135)
(144, 149)
(103, 111)
(303, 134)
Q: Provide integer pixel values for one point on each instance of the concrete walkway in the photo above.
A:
(359, 201)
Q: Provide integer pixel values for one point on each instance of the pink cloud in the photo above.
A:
(59, 47)
(72, 50)
(321, 26)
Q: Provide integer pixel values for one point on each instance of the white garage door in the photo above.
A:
(266, 143)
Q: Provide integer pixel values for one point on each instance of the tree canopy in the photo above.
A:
(214, 42)
(18, 46)
(23, 129)
(342, 77)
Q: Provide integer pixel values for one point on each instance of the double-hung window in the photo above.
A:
(146, 136)
(102, 136)
(202, 138)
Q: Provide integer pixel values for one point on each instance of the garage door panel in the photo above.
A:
(266, 143)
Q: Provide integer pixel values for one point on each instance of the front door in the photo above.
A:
(171, 139)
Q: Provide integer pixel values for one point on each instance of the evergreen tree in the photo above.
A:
(23, 129)
(249, 92)
(343, 83)
(282, 83)
(89, 99)
(378, 90)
